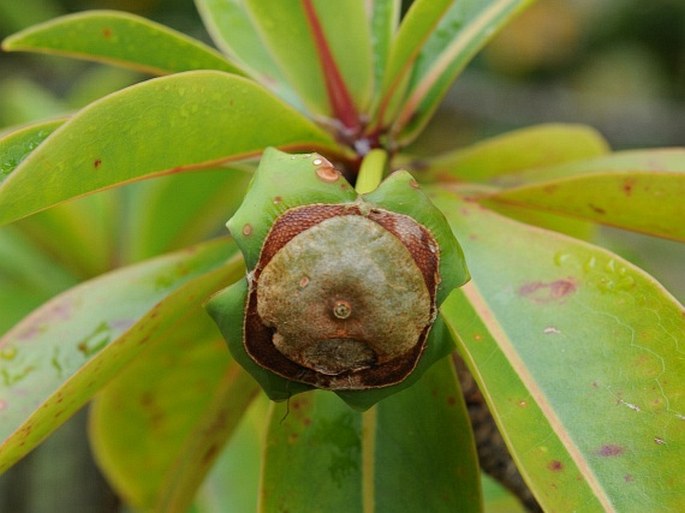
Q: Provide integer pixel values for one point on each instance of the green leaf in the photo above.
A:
(60, 355)
(28, 277)
(465, 28)
(171, 124)
(16, 145)
(169, 412)
(645, 194)
(498, 499)
(234, 32)
(81, 235)
(175, 211)
(383, 460)
(416, 27)
(232, 397)
(568, 330)
(143, 416)
(384, 19)
(290, 35)
(512, 152)
(122, 39)
(233, 482)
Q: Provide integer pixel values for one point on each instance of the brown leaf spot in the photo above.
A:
(327, 173)
(555, 466)
(209, 454)
(107, 32)
(610, 450)
(451, 400)
(596, 209)
(97, 163)
(277, 199)
(247, 230)
(628, 185)
(541, 292)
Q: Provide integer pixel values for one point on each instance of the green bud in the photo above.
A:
(342, 290)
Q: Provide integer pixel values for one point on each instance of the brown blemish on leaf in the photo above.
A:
(328, 173)
(659, 441)
(107, 32)
(628, 478)
(555, 466)
(541, 292)
(596, 209)
(628, 185)
(610, 450)
(247, 230)
(414, 184)
(209, 454)
(97, 163)
(277, 200)
(451, 400)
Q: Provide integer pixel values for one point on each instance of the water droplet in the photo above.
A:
(659, 441)
(317, 162)
(561, 258)
(523, 404)
(8, 353)
(610, 266)
(590, 264)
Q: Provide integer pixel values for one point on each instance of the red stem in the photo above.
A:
(341, 102)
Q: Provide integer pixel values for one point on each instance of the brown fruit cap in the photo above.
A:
(342, 296)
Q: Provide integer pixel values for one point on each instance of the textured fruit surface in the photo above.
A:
(344, 303)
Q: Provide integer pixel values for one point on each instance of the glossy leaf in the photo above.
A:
(175, 211)
(232, 397)
(512, 152)
(233, 482)
(596, 345)
(416, 28)
(464, 29)
(645, 194)
(170, 124)
(144, 415)
(384, 19)
(81, 235)
(28, 277)
(234, 32)
(377, 461)
(59, 356)
(16, 145)
(302, 35)
(169, 412)
(119, 38)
